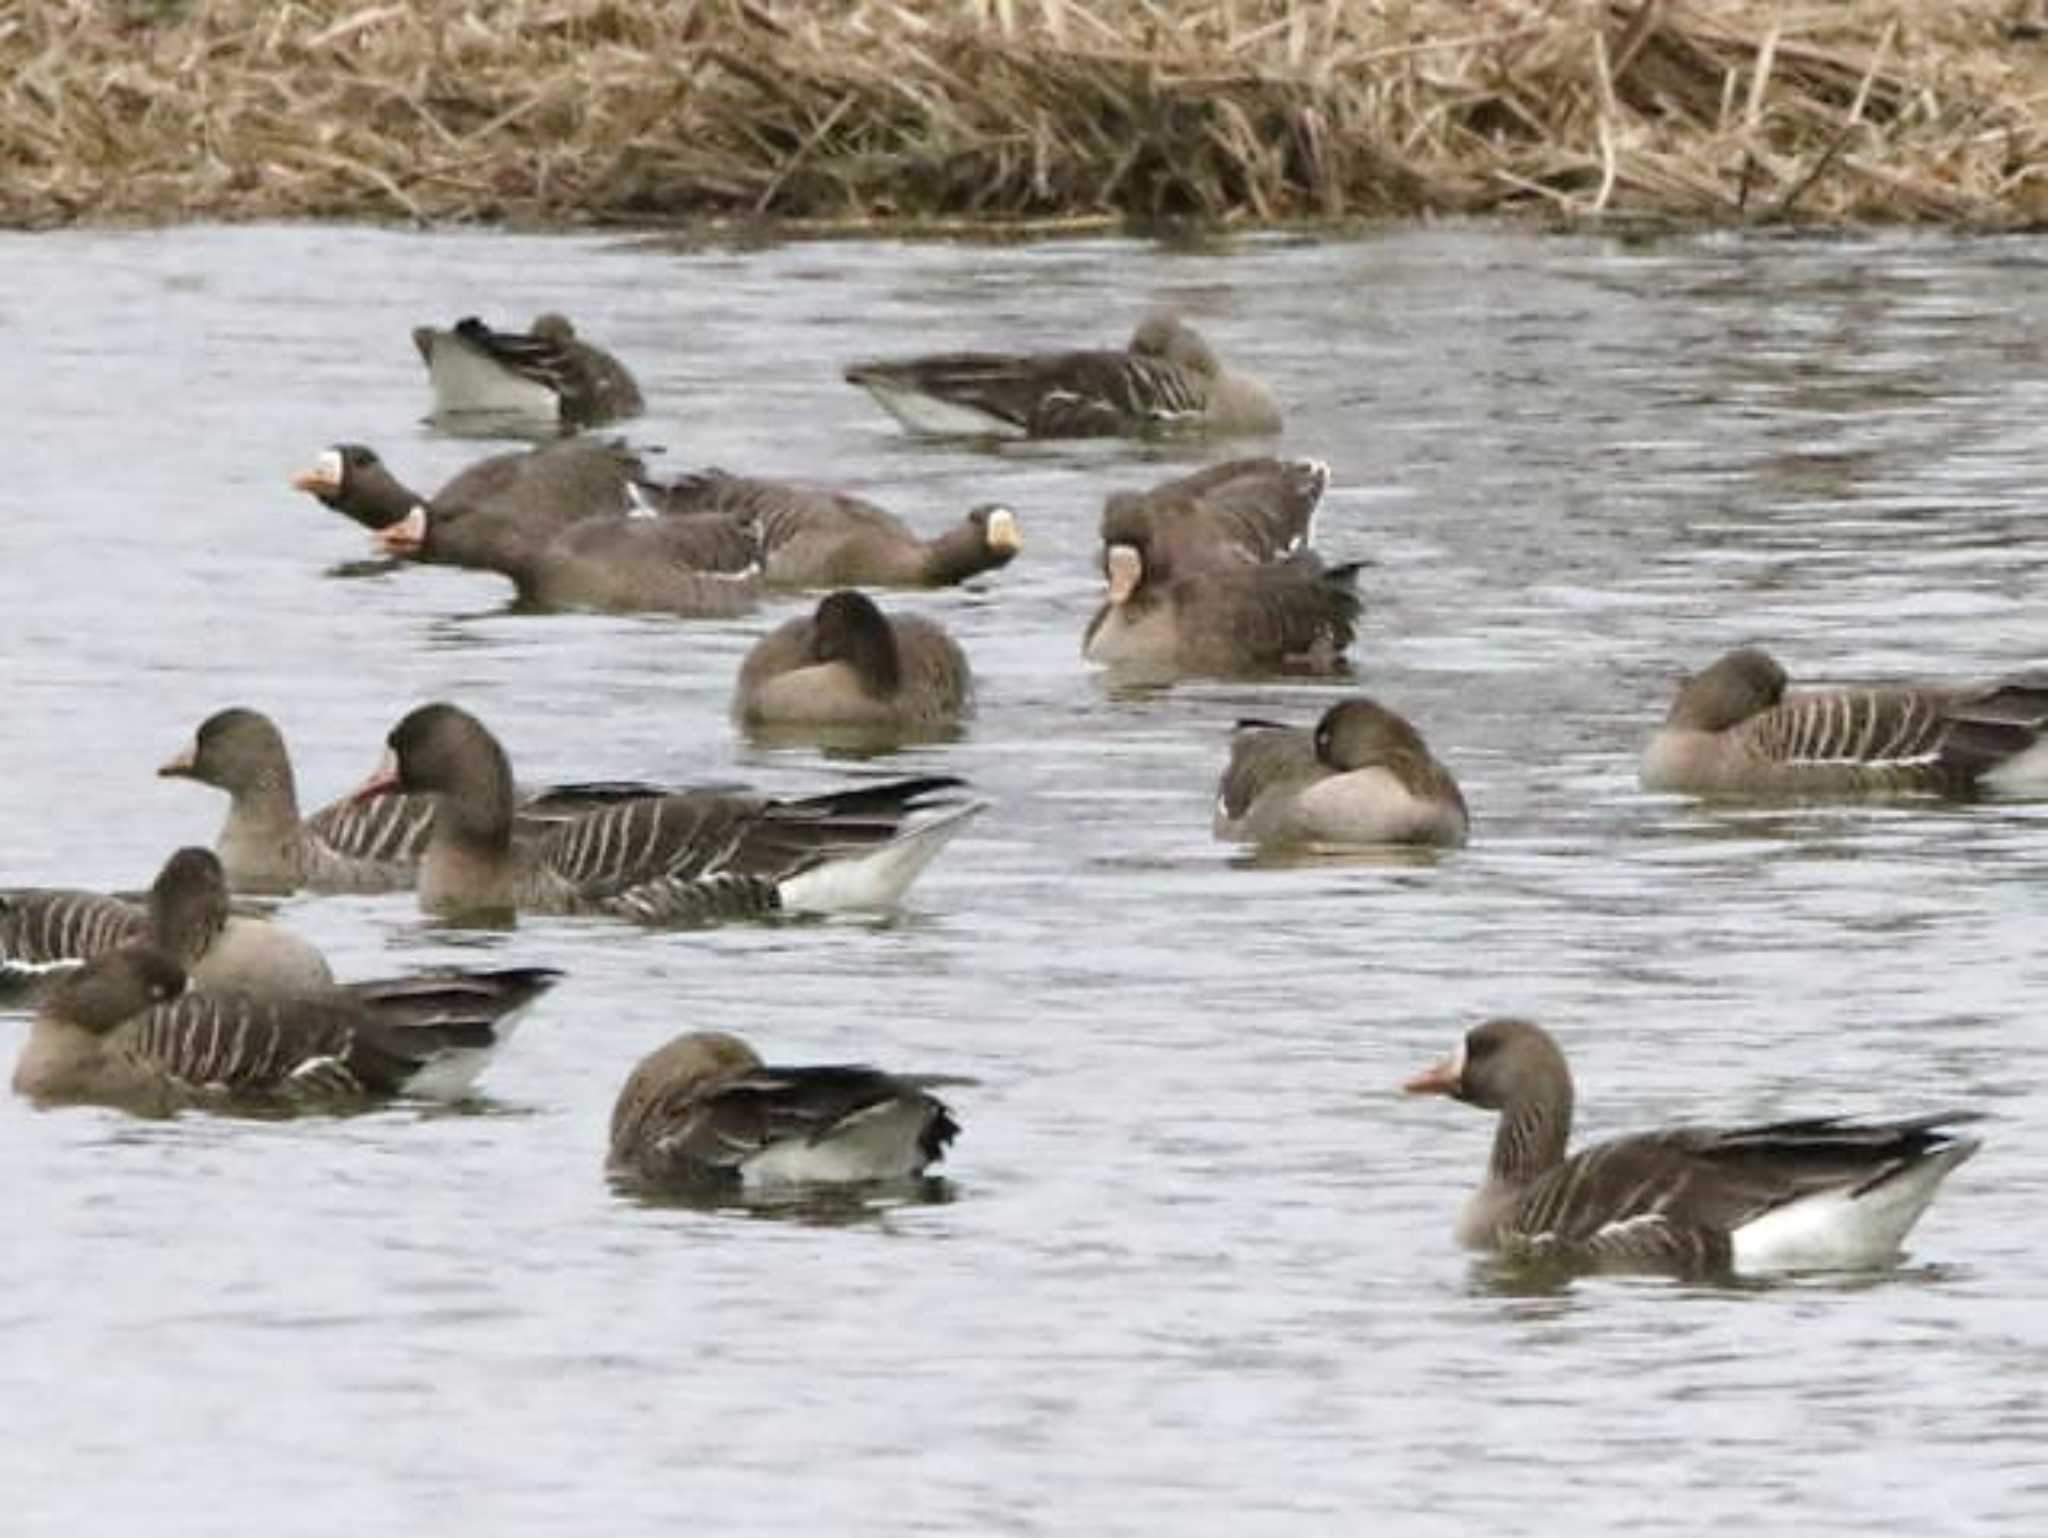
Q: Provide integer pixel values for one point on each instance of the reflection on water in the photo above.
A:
(1196, 1273)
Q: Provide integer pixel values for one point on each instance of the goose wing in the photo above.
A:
(1677, 1197)
(1289, 612)
(48, 926)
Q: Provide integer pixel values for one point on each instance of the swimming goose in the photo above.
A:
(705, 1111)
(1167, 380)
(689, 857)
(118, 1032)
(535, 492)
(1239, 512)
(546, 372)
(1821, 1194)
(1226, 620)
(1735, 730)
(847, 664)
(266, 846)
(186, 917)
(348, 845)
(807, 536)
(1363, 776)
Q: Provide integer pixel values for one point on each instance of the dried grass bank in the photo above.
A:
(852, 113)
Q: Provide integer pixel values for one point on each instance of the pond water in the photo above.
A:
(1195, 1274)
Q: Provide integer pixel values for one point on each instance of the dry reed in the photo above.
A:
(853, 113)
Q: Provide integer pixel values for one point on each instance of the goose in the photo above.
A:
(847, 664)
(1363, 776)
(809, 536)
(1224, 620)
(1238, 512)
(1821, 1194)
(123, 1031)
(347, 845)
(689, 857)
(537, 492)
(186, 917)
(704, 1111)
(1167, 379)
(1735, 730)
(546, 371)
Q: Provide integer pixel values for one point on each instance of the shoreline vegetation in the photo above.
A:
(816, 116)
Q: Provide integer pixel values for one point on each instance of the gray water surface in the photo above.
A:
(1196, 1274)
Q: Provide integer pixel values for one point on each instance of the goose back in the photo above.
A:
(705, 1110)
(582, 384)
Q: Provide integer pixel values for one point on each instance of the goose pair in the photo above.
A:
(1362, 776)
(265, 845)
(1212, 574)
(567, 525)
(546, 373)
(1736, 729)
(124, 1031)
(1166, 380)
(186, 917)
(1818, 1194)
(682, 857)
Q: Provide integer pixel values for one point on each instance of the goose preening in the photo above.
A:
(687, 857)
(1226, 620)
(1811, 1195)
(186, 917)
(1238, 512)
(848, 665)
(1167, 380)
(705, 1112)
(123, 1031)
(531, 494)
(1362, 776)
(1735, 729)
(809, 536)
(546, 373)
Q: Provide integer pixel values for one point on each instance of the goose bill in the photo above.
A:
(383, 780)
(1002, 531)
(1125, 567)
(180, 763)
(1442, 1078)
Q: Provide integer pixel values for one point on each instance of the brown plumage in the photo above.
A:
(588, 386)
(1224, 620)
(1814, 1194)
(187, 917)
(1736, 730)
(118, 1032)
(1166, 380)
(705, 1112)
(1239, 512)
(1362, 776)
(809, 536)
(686, 857)
(847, 664)
(521, 497)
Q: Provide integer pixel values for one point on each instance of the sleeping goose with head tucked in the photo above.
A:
(1736, 729)
(847, 664)
(1810, 1195)
(1167, 380)
(1363, 776)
